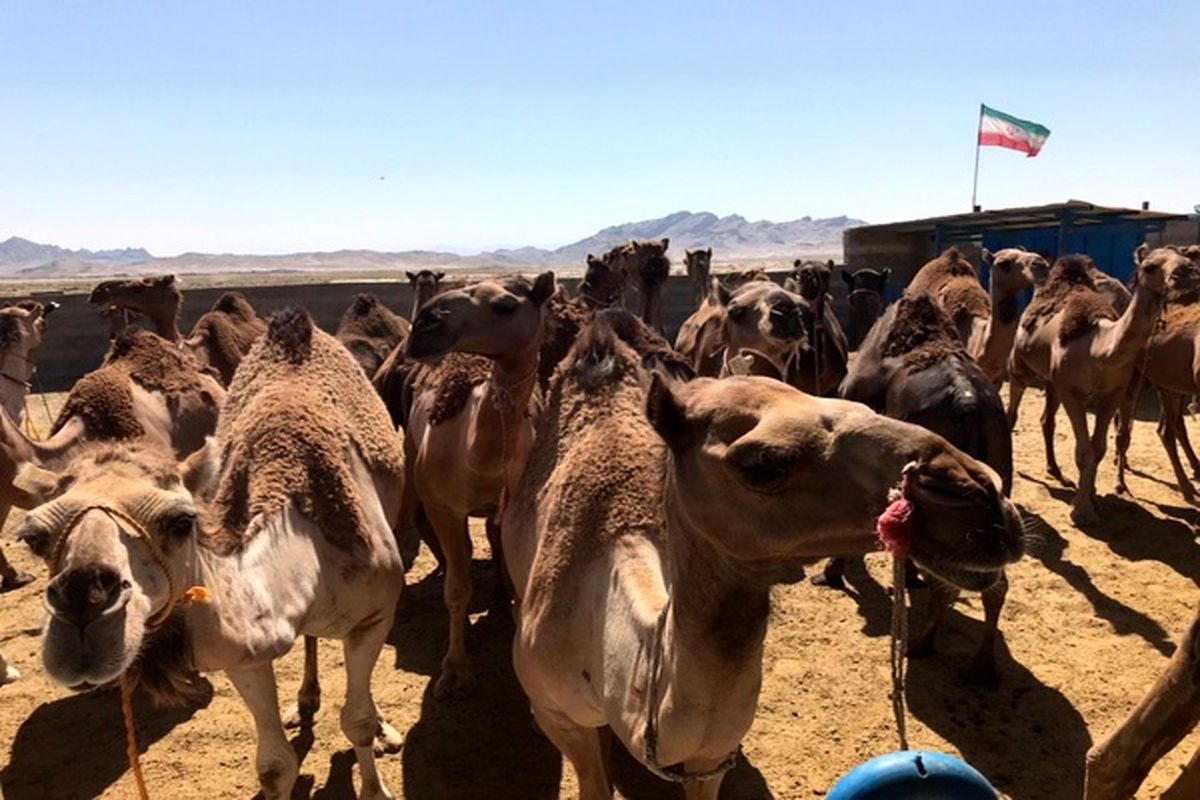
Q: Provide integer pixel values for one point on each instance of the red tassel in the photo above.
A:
(895, 527)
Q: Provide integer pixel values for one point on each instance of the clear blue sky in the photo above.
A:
(266, 127)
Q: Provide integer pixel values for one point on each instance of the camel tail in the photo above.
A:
(968, 407)
(291, 331)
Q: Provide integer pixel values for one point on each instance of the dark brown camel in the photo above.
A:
(641, 263)
(821, 365)
(426, 283)
(698, 264)
(370, 331)
(868, 288)
(913, 367)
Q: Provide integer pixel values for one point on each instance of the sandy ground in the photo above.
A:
(1091, 619)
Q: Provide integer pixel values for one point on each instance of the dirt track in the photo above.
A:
(1090, 621)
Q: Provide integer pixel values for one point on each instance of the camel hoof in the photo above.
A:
(829, 581)
(15, 581)
(1056, 474)
(10, 675)
(301, 715)
(454, 685)
(388, 740)
(1084, 517)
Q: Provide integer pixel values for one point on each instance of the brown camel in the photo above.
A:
(155, 297)
(913, 367)
(22, 326)
(469, 428)
(1117, 766)
(820, 365)
(652, 521)
(698, 264)
(223, 335)
(767, 320)
(1073, 339)
(1115, 292)
(286, 515)
(701, 338)
(868, 288)
(642, 263)
(370, 331)
(425, 284)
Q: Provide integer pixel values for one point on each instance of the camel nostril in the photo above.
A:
(82, 594)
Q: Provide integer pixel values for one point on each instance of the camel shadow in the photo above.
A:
(98, 759)
(484, 745)
(1046, 545)
(1024, 736)
(1135, 534)
(632, 779)
(872, 600)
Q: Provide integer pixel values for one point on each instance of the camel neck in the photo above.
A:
(1125, 339)
(16, 371)
(166, 323)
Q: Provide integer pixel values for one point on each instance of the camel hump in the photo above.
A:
(291, 331)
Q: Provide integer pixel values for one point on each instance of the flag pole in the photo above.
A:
(975, 184)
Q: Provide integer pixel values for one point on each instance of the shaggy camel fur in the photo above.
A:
(1111, 289)
(286, 517)
(820, 365)
(1072, 338)
(224, 334)
(867, 287)
(469, 429)
(645, 263)
(22, 326)
(913, 367)
(370, 331)
(698, 264)
(652, 521)
(146, 388)
(155, 297)
(1117, 766)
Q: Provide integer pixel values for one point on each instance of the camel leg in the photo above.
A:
(702, 790)
(360, 718)
(451, 529)
(581, 746)
(1119, 764)
(1124, 436)
(1106, 410)
(274, 760)
(1016, 390)
(941, 596)
(983, 666)
(1083, 509)
(308, 699)
(8, 673)
(833, 575)
(1049, 412)
(1169, 425)
(1184, 440)
(10, 578)
(503, 592)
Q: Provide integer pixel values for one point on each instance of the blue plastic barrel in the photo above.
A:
(913, 775)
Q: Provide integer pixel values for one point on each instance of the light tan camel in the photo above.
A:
(651, 523)
(155, 297)
(701, 338)
(370, 331)
(1072, 338)
(286, 517)
(1117, 766)
(22, 326)
(1115, 292)
(698, 264)
(224, 334)
(469, 428)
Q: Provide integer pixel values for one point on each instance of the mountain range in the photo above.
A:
(733, 238)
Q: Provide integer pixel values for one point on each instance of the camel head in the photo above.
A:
(1015, 269)
(698, 264)
(21, 328)
(91, 522)
(812, 278)
(489, 318)
(1165, 269)
(425, 284)
(603, 284)
(153, 296)
(869, 280)
(772, 477)
(764, 318)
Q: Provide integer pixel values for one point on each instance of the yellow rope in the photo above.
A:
(131, 745)
(899, 644)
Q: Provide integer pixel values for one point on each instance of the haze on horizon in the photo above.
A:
(283, 127)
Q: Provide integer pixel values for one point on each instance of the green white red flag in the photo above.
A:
(998, 129)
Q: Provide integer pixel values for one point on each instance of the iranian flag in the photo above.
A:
(1001, 130)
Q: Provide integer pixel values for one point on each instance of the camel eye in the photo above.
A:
(505, 305)
(737, 312)
(761, 467)
(179, 526)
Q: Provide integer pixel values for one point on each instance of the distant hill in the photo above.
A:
(733, 238)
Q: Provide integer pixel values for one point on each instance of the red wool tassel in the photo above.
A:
(895, 527)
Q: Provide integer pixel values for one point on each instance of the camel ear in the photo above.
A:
(200, 469)
(437, 276)
(34, 485)
(722, 292)
(1140, 254)
(543, 287)
(830, 263)
(666, 243)
(986, 256)
(790, 285)
(666, 413)
(412, 276)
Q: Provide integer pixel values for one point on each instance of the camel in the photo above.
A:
(370, 331)
(1073, 339)
(645, 263)
(1115, 292)
(769, 321)
(469, 428)
(426, 284)
(155, 297)
(1117, 766)
(913, 367)
(698, 264)
(701, 338)
(223, 335)
(822, 364)
(22, 326)
(867, 290)
(652, 521)
(285, 516)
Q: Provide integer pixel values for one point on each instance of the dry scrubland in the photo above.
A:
(1090, 621)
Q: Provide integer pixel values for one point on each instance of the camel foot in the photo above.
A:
(387, 739)
(454, 685)
(15, 580)
(1084, 516)
(1054, 472)
(1122, 490)
(829, 581)
(301, 715)
(9, 675)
